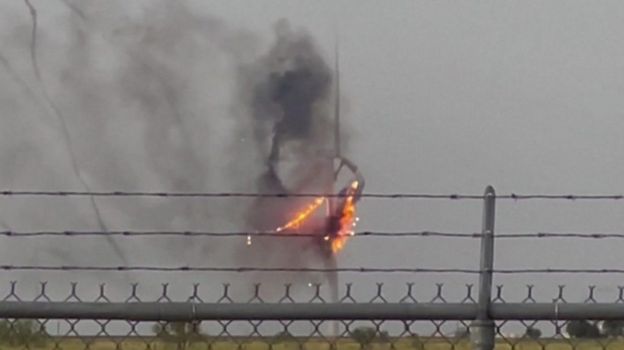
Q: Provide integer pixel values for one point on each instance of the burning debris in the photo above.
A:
(340, 224)
(347, 219)
(303, 215)
(288, 93)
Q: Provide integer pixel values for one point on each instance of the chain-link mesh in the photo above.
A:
(238, 330)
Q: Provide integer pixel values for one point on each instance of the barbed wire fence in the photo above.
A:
(407, 322)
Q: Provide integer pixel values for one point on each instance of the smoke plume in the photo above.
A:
(117, 98)
(287, 92)
(157, 98)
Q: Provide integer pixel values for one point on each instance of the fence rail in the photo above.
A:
(175, 311)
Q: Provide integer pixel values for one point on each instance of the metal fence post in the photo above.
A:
(482, 329)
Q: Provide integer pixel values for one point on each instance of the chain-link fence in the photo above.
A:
(214, 319)
(322, 317)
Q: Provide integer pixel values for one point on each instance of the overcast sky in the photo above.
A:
(439, 97)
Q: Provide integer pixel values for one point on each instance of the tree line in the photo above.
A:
(578, 329)
(30, 333)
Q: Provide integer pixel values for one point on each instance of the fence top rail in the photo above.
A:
(188, 311)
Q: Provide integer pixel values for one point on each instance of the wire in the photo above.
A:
(229, 269)
(229, 194)
(589, 235)
(304, 270)
(18, 234)
(557, 270)
(295, 195)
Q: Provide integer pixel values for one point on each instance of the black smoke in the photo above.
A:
(288, 93)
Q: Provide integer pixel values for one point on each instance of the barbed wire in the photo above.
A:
(304, 270)
(225, 234)
(513, 196)
(230, 269)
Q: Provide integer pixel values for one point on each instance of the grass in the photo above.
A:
(317, 344)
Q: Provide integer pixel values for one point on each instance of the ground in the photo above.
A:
(398, 344)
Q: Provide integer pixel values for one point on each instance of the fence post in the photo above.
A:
(482, 329)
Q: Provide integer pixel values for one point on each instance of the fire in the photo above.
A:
(347, 220)
(336, 240)
(301, 216)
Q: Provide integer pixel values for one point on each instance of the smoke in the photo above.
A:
(287, 94)
(294, 92)
(135, 98)
(157, 97)
(286, 121)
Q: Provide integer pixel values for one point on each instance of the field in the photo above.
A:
(315, 344)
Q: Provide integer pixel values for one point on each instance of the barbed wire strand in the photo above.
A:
(304, 195)
(303, 270)
(224, 234)
(18, 234)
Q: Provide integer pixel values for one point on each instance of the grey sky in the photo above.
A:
(440, 97)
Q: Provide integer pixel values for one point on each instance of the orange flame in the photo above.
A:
(301, 216)
(346, 223)
(347, 220)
